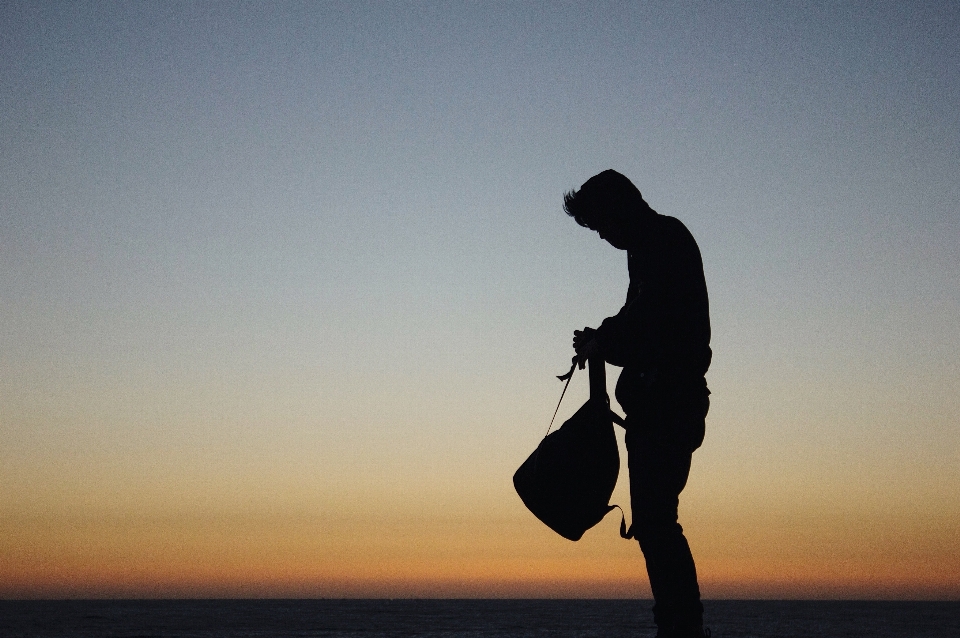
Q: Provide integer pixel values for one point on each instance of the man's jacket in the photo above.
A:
(661, 336)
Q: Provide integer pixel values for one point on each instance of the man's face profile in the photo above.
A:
(612, 230)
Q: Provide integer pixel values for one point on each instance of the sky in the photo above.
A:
(284, 289)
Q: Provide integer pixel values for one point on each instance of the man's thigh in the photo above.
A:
(658, 473)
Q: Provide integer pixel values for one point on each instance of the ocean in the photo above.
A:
(465, 618)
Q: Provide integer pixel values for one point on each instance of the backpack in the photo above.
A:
(568, 480)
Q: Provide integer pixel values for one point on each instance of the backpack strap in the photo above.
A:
(563, 377)
(624, 532)
(616, 418)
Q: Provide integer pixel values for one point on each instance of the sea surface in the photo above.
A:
(466, 618)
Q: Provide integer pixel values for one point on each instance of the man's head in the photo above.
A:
(610, 204)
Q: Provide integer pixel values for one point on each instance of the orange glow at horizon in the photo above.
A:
(237, 557)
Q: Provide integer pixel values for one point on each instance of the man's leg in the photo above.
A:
(658, 473)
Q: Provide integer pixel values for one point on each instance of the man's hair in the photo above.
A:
(602, 196)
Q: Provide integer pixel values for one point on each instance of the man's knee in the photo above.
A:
(653, 533)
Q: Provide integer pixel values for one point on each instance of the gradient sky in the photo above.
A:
(284, 288)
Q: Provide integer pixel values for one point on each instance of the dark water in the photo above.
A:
(466, 618)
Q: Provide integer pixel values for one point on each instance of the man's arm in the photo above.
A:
(615, 338)
(612, 340)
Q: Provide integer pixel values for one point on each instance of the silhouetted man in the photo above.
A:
(661, 338)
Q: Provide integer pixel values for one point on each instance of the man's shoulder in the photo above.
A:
(674, 232)
(670, 224)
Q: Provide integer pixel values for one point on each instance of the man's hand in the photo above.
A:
(585, 345)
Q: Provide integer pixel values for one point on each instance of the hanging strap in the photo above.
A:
(563, 377)
(616, 418)
(624, 532)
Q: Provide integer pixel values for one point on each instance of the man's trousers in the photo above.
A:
(660, 441)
